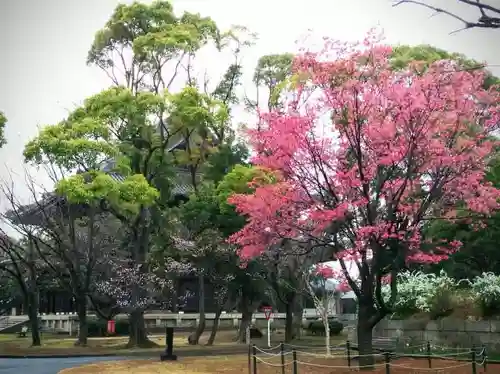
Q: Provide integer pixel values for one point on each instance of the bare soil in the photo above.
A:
(272, 365)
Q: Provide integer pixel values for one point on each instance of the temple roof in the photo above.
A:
(31, 214)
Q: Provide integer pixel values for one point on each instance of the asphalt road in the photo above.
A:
(45, 365)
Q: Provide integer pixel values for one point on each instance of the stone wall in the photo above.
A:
(448, 332)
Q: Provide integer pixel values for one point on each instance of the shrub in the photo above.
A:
(318, 328)
(420, 292)
(486, 289)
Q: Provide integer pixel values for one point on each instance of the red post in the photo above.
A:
(111, 327)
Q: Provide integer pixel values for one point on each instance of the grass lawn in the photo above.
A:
(11, 344)
(269, 365)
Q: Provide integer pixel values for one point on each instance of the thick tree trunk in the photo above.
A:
(138, 336)
(83, 328)
(33, 319)
(289, 321)
(365, 336)
(215, 326)
(194, 338)
(246, 320)
(298, 312)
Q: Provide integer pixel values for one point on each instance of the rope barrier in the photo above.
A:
(434, 356)
(337, 347)
(273, 365)
(482, 362)
(341, 355)
(330, 366)
(429, 369)
(269, 349)
(266, 352)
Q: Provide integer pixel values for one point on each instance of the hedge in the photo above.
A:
(318, 328)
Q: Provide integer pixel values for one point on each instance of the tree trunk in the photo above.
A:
(83, 329)
(33, 319)
(289, 321)
(138, 336)
(215, 326)
(246, 320)
(326, 323)
(298, 312)
(365, 336)
(194, 338)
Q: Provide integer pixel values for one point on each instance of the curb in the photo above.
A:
(60, 356)
(150, 354)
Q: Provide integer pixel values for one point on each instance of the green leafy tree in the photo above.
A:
(128, 141)
(405, 55)
(270, 77)
(207, 214)
(480, 239)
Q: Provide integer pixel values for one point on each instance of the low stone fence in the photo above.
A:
(68, 323)
(450, 332)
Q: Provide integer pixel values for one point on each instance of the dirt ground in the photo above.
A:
(272, 365)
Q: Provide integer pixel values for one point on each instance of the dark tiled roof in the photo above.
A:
(30, 214)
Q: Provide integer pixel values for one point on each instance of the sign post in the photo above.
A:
(268, 311)
(111, 327)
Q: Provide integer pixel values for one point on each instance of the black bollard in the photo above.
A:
(169, 342)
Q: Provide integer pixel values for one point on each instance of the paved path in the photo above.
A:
(45, 365)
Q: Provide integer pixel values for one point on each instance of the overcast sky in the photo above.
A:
(44, 44)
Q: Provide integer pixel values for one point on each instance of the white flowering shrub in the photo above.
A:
(440, 294)
(486, 289)
(420, 292)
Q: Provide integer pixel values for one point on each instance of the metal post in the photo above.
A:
(387, 363)
(429, 359)
(254, 351)
(485, 358)
(282, 349)
(249, 359)
(295, 364)
(348, 348)
(473, 359)
(269, 332)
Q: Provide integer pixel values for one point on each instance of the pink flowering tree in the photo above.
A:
(363, 155)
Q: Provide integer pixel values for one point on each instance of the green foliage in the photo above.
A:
(404, 55)
(479, 253)
(219, 163)
(3, 122)
(486, 289)
(318, 328)
(154, 33)
(238, 181)
(420, 292)
(272, 69)
(440, 295)
(273, 72)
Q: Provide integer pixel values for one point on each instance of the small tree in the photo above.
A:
(322, 295)
(20, 262)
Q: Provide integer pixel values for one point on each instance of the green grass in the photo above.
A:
(11, 344)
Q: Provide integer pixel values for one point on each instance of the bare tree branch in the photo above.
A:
(489, 15)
